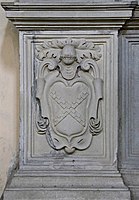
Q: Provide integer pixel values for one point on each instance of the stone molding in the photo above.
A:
(128, 118)
(42, 170)
(128, 105)
(133, 23)
(104, 156)
(83, 16)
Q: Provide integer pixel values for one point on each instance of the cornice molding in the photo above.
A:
(45, 16)
(133, 23)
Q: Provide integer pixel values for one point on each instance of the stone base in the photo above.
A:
(131, 179)
(70, 186)
(73, 194)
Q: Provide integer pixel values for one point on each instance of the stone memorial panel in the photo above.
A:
(69, 100)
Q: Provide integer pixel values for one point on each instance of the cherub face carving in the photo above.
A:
(68, 65)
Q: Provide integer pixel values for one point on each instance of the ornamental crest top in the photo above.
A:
(69, 90)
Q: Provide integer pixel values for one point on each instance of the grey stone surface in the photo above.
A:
(68, 195)
(99, 155)
(69, 91)
(128, 77)
(77, 16)
(55, 39)
(75, 1)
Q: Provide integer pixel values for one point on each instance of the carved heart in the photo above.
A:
(68, 107)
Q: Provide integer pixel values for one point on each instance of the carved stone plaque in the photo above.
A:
(69, 89)
(70, 107)
(69, 94)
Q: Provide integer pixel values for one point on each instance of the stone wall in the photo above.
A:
(9, 91)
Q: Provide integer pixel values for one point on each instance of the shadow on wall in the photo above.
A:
(9, 103)
(10, 48)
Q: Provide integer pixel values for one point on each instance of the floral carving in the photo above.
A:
(84, 49)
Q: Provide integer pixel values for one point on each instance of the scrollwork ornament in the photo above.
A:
(42, 123)
(95, 126)
(69, 91)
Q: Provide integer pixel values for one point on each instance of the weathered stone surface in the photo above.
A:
(99, 155)
(129, 106)
(69, 91)
(77, 1)
(67, 16)
(69, 53)
(76, 194)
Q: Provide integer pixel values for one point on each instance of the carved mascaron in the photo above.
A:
(69, 90)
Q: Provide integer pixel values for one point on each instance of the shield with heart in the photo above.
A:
(69, 106)
(69, 90)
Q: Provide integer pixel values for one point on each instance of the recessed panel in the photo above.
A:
(70, 110)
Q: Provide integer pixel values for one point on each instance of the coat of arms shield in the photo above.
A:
(69, 91)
